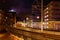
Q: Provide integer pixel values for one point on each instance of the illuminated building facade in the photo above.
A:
(36, 10)
(52, 15)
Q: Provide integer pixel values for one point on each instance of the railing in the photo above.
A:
(33, 33)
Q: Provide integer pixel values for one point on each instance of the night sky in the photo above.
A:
(22, 7)
(19, 5)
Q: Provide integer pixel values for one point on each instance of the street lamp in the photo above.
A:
(12, 10)
(41, 15)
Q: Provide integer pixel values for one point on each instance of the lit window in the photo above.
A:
(38, 17)
(47, 12)
(45, 27)
(27, 18)
(6, 17)
(46, 16)
(45, 22)
(47, 19)
(47, 8)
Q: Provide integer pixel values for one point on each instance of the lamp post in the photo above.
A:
(41, 15)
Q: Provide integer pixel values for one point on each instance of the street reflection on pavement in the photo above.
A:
(8, 36)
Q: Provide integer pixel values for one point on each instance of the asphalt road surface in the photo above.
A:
(8, 36)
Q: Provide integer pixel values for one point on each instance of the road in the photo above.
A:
(37, 34)
(8, 36)
(29, 34)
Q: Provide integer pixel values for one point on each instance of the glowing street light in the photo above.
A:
(12, 10)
